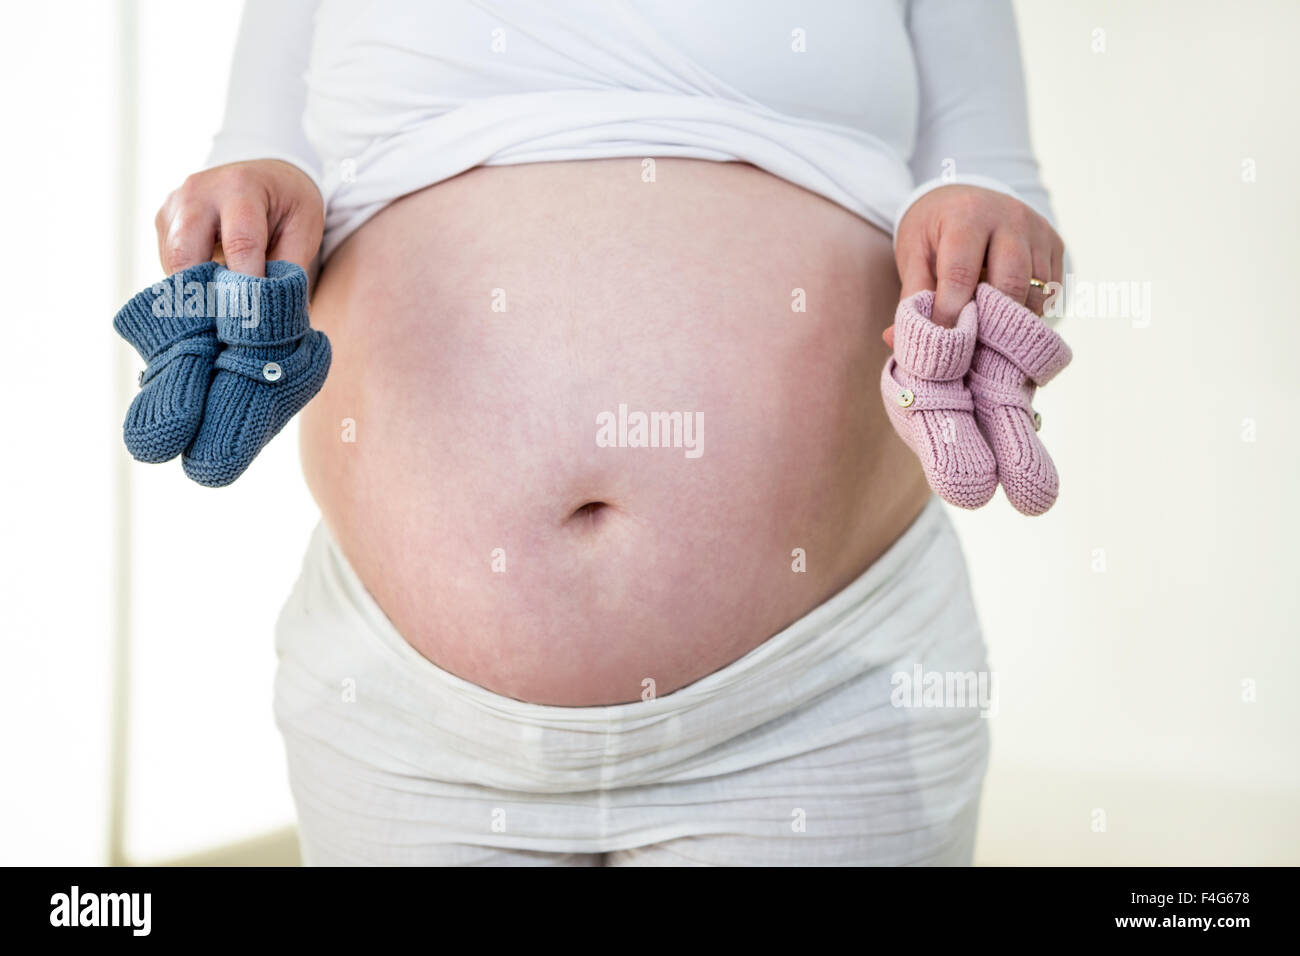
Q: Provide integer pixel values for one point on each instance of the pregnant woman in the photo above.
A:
(529, 628)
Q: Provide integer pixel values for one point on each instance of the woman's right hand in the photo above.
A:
(245, 213)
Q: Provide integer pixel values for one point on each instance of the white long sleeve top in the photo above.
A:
(870, 103)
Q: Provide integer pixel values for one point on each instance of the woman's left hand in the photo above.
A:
(954, 233)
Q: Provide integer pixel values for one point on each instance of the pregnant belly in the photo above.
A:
(585, 432)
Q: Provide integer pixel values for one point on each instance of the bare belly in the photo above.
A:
(478, 453)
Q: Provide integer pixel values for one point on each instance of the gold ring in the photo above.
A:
(1037, 283)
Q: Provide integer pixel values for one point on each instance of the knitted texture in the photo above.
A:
(169, 326)
(930, 406)
(272, 364)
(1016, 351)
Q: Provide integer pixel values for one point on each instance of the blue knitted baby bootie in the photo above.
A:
(169, 325)
(272, 365)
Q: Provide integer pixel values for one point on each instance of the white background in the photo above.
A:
(1120, 691)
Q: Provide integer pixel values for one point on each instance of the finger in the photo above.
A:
(243, 235)
(1010, 263)
(298, 241)
(915, 270)
(1041, 254)
(957, 269)
(1058, 259)
(186, 236)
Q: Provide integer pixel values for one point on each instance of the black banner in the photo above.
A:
(1172, 906)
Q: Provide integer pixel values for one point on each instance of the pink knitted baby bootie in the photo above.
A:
(930, 406)
(1015, 353)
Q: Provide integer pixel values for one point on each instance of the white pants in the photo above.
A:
(807, 750)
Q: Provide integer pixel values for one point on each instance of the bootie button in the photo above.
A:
(139, 379)
(906, 398)
(271, 371)
(1038, 422)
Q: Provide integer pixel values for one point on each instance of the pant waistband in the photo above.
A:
(417, 717)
